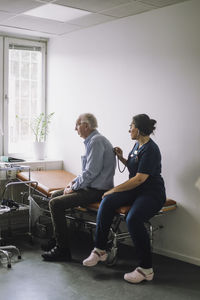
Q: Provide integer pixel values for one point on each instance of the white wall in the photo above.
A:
(148, 63)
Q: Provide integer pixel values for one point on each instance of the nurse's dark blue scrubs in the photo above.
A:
(145, 200)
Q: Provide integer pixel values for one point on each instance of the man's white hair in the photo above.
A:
(90, 119)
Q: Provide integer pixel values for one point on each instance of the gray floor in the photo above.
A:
(32, 278)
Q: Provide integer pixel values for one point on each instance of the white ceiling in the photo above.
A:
(13, 21)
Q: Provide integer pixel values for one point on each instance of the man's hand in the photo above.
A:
(68, 189)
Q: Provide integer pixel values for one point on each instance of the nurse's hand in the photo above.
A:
(118, 151)
(108, 193)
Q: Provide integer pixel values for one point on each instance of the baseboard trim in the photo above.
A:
(179, 256)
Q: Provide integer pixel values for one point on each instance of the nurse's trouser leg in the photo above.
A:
(143, 208)
(105, 215)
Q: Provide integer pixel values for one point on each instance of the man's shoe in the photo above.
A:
(48, 245)
(57, 254)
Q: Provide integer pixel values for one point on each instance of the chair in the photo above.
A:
(8, 251)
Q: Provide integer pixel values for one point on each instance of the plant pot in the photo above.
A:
(39, 150)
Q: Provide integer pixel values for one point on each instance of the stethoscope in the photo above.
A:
(131, 155)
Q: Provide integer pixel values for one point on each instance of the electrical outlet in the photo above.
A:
(197, 183)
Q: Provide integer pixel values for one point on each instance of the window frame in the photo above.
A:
(1, 95)
(5, 96)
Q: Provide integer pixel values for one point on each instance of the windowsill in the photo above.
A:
(40, 165)
(33, 160)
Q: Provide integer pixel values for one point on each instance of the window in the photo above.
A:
(24, 93)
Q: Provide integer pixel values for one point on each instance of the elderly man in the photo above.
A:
(98, 168)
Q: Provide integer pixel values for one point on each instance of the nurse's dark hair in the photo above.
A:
(145, 125)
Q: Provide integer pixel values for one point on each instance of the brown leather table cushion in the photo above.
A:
(49, 180)
(169, 205)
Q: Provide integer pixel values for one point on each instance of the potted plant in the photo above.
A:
(40, 128)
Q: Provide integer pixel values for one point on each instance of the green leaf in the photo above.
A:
(40, 126)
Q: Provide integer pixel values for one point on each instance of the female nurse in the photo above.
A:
(144, 191)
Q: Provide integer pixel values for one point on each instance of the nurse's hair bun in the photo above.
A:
(145, 125)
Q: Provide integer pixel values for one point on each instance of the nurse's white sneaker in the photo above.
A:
(94, 258)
